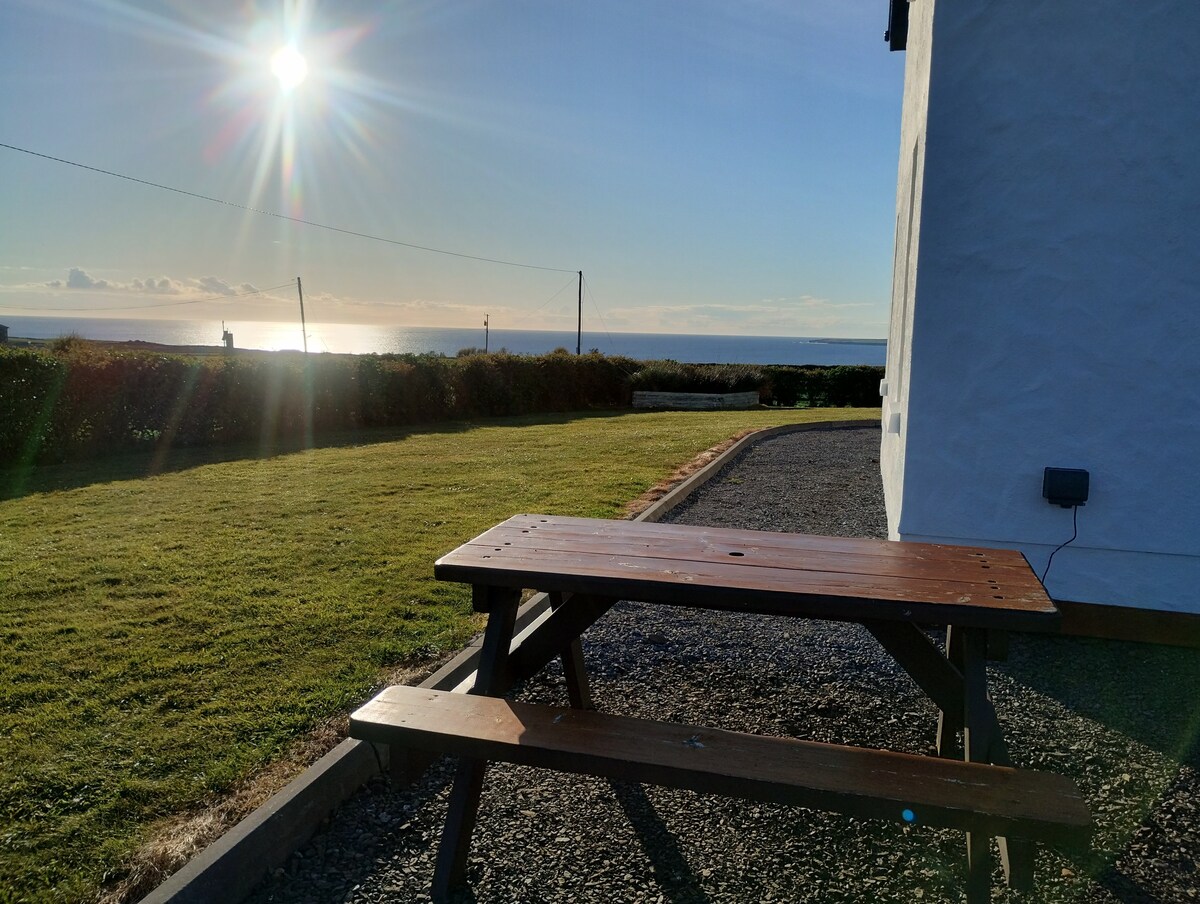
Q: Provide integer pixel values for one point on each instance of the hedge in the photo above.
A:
(79, 400)
(818, 387)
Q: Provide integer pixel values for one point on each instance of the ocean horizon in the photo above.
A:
(350, 338)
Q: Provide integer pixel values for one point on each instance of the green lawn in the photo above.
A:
(163, 637)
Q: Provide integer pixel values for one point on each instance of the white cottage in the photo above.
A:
(1046, 291)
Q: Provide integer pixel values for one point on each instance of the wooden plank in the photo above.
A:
(764, 590)
(856, 781)
(449, 872)
(1016, 854)
(566, 623)
(950, 719)
(979, 731)
(1011, 578)
(617, 534)
(755, 549)
(1181, 629)
(979, 868)
(738, 574)
(574, 671)
(658, 532)
(579, 690)
(923, 661)
(979, 723)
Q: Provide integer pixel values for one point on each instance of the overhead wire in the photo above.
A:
(140, 307)
(281, 216)
(611, 342)
(596, 304)
(555, 295)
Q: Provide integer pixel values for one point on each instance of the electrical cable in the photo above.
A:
(603, 323)
(1074, 534)
(141, 307)
(554, 296)
(281, 216)
(596, 304)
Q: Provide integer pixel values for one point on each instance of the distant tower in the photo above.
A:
(226, 338)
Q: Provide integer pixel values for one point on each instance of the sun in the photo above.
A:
(289, 66)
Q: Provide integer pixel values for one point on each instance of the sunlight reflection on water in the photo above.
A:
(367, 338)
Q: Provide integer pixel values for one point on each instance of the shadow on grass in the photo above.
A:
(18, 482)
(1144, 691)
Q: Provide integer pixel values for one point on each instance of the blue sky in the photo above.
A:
(712, 167)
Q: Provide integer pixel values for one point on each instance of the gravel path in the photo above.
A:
(1122, 719)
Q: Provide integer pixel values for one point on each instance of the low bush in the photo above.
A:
(671, 376)
(822, 387)
(78, 400)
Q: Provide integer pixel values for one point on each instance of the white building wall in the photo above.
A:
(1056, 300)
(909, 184)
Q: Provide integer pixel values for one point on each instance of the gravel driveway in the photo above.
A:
(1122, 719)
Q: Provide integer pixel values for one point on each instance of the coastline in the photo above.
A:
(204, 338)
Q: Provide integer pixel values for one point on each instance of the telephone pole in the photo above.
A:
(303, 328)
(485, 332)
(579, 327)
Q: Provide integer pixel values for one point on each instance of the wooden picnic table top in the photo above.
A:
(759, 571)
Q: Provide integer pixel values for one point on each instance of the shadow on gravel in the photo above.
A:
(679, 884)
(1144, 691)
(1126, 889)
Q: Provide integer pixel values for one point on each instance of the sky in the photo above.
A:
(710, 166)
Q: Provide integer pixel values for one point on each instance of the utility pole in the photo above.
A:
(485, 332)
(579, 328)
(303, 328)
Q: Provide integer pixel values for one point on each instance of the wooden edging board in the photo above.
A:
(230, 868)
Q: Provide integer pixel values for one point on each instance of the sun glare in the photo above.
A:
(289, 66)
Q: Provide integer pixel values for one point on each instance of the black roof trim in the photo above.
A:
(897, 32)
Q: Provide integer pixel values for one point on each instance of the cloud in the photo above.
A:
(81, 279)
(215, 285)
(162, 285)
(198, 287)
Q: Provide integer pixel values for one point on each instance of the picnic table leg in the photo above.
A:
(949, 721)
(983, 741)
(501, 604)
(578, 689)
(977, 742)
(1016, 854)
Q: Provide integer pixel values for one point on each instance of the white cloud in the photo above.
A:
(215, 285)
(85, 294)
(162, 285)
(80, 279)
(193, 286)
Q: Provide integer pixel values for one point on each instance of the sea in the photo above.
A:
(350, 338)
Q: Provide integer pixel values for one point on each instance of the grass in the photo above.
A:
(164, 637)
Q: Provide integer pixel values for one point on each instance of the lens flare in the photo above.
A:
(289, 66)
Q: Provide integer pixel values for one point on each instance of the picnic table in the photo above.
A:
(894, 589)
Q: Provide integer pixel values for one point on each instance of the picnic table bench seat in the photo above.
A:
(862, 782)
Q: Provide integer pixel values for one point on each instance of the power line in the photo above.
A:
(281, 216)
(612, 343)
(596, 305)
(569, 282)
(139, 307)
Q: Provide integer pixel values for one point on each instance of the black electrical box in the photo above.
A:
(1065, 486)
